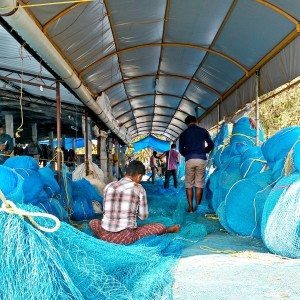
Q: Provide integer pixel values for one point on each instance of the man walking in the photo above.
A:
(194, 144)
(172, 159)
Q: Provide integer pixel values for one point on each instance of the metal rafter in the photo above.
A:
(149, 115)
(288, 39)
(160, 122)
(229, 12)
(156, 131)
(279, 10)
(116, 46)
(154, 127)
(193, 46)
(151, 106)
(166, 75)
(166, 16)
(160, 94)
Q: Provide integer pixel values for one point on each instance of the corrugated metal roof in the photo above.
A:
(159, 60)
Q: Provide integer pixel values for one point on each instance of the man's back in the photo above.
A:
(124, 201)
(192, 142)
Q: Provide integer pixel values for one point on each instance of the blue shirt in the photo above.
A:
(192, 142)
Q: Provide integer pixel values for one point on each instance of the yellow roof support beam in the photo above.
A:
(288, 39)
(279, 10)
(62, 14)
(165, 75)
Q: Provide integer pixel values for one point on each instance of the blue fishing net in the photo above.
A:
(22, 162)
(11, 184)
(243, 211)
(83, 193)
(296, 156)
(243, 132)
(276, 148)
(252, 162)
(33, 187)
(69, 264)
(221, 135)
(50, 183)
(281, 217)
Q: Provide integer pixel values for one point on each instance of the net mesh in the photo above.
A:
(281, 217)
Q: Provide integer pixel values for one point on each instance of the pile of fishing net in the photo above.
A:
(69, 264)
(79, 200)
(232, 162)
(281, 214)
(245, 178)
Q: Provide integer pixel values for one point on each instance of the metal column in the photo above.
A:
(58, 127)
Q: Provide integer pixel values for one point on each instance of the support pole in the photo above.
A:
(34, 132)
(9, 125)
(99, 149)
(257, 73)
(218, 127)
(58, 127)
(86, 143)
(196, 113)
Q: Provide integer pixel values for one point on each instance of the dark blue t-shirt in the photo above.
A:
(192, 142)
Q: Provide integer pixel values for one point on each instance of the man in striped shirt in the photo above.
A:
(125, 201)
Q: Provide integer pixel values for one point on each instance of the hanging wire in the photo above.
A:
(48, 4)
(20, 129)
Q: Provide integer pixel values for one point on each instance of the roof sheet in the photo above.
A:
(160, 60)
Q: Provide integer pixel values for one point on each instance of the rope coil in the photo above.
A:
(10, 208)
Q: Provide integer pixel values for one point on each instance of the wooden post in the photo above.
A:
(257, 73)
(86, 143)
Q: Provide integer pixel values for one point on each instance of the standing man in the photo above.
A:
(6, 145)
(124, 202)
(194, 144)
(172, 159)
(153, 166)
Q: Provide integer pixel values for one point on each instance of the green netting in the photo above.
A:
(281, 217)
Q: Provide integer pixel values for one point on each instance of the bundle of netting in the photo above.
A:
(33, 187)
(54, 207)
(252, 162)
(99, 185)
(277, 147)
(11, 183)
(242, 210)
(169, 207)
(222, 179)
(39, 185)
(281, 217)
(35, 265)
(296, 156)
(221, 135)
(51, 185)
(22, 162)
(86, 201)
(244, 131)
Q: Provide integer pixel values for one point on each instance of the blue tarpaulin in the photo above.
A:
(152, 143)
(68, 143)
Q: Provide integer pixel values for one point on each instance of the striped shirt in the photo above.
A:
(124, 202)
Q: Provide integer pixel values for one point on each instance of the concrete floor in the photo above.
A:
(224, 266)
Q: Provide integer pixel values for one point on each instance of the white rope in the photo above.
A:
(10, 208)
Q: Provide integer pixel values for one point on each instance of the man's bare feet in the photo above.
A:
(190, 210)
(173, 229)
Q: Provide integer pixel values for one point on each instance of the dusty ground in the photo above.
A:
(223, 266)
